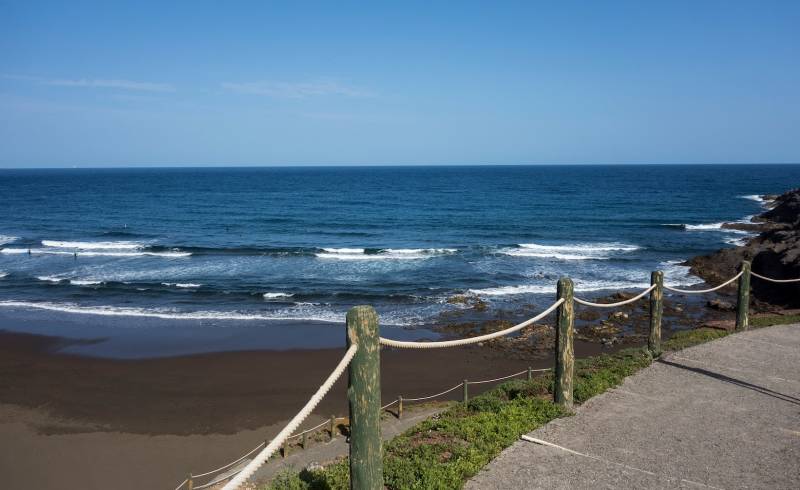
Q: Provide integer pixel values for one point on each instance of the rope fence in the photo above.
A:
(362, 359)
(702, 291)
(774, 280)
(469, 340)
(619, 303)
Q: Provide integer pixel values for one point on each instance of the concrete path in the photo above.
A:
(725, 414)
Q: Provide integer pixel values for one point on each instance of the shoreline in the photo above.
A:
(168, 415)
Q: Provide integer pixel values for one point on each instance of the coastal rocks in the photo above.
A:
(774, 253)
(473, 302)
(720, 305)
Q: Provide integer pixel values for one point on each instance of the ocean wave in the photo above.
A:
(277, 295)
(3, 274)
(93, 245)
(85, 282)
(186, 285)
(51, 278)
(4, 239)
(384, 254)
(297, 312)
(571, 251)
(675, 274)
(95, 253)
(755, 197)
(344, 250)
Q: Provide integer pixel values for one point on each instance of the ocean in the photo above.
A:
(210, 248)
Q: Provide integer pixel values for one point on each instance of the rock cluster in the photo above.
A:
(775, 253)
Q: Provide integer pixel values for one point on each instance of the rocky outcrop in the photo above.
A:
(775, 253)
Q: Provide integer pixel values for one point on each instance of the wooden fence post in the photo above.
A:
(565, 353)
(333, 427)
(400, 407)
(743, 300)
(530, 373)
(465, 394)
(656, 310)
(286, 447)
(364, 394)
(305, 440)
(189, 481)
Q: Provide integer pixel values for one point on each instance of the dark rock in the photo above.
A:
(720, 305)
(774, 253)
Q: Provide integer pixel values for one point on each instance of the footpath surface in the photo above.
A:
(721, 415)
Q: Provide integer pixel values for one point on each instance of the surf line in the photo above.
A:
(597, 458)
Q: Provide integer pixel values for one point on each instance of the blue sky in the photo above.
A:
(291, 83)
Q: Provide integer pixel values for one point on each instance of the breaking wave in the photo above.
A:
(573, 251)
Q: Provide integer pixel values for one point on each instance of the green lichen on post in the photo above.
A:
(565, 352)
(364, 395)
(743, 301)
(656, 311)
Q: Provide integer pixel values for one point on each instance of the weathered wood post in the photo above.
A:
(364, 394)
(286, 447)
(530, 373)
(565, 352)
(305, 440)
(465, 397)
(656, 311)
(189, 481)
(333, 427)
(400, 407)
(743, 300)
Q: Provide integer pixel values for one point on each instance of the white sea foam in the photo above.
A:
(344, 250)
(386, 254)
(4, 239)
(755, 197)
(3, 274)
(50, 278)
(303, 312)
(675, 274)
(53, 251)
(84, 282)
(738, 241)
(277, 295)
(703, 227)
(181, 284)
(571, 251)
(93, 245)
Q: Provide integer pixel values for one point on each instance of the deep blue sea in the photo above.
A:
(293, 245)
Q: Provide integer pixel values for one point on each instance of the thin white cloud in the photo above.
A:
(98, 83)
(295, 90)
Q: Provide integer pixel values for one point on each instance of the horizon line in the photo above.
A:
(380, 165)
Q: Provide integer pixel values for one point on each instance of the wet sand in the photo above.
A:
(70, 421)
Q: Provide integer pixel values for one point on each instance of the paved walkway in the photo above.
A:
(725, 414)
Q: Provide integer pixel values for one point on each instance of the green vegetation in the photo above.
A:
(687, 338)
(769, 320)
(445, 451)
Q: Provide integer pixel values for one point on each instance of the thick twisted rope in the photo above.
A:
(619, 303)
(701, 291)
(298, 419)
(771, 279)
(470, 340)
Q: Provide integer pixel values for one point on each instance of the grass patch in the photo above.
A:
(445, 451)
(770, 320)
(687, 338)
